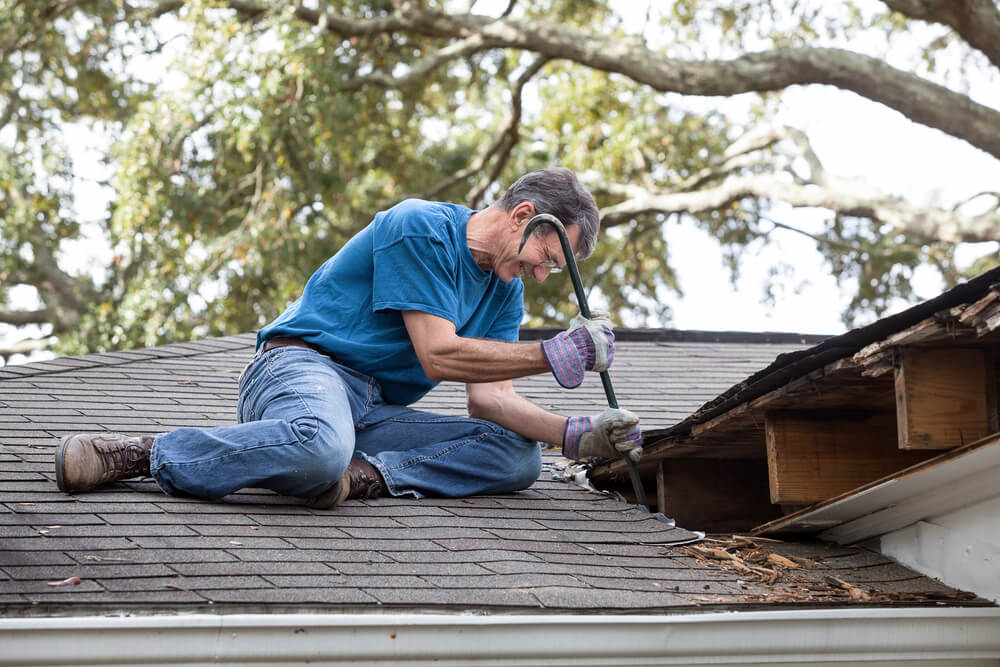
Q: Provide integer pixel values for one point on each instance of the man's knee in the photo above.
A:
(527, 457)
(326, 450)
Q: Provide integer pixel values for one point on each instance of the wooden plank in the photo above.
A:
(811, 457)
(661, 489)
(945, 469)
(993, 388)
(941, 397)
(717, 495)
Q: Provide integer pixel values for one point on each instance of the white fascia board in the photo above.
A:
(958, 557)
(940, 636)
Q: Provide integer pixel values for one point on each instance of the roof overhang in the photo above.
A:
(953, 636)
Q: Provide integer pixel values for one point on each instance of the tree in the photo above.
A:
(287, 125)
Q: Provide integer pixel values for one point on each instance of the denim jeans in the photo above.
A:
(301, 418)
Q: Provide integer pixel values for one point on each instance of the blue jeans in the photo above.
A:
(303, 416)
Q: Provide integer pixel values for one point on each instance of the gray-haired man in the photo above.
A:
(427, 292)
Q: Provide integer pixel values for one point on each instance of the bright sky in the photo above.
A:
(852, 137)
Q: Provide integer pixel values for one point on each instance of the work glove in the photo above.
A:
(611, 434)
(587, 345)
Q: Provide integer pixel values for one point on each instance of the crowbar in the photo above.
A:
(581, 298)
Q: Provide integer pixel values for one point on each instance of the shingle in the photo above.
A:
(352, 510)
(470, 522)
(153, 556)
(164, 518)
(504, 581)
(465, 556)
(203, 542)
(598, 559)
(69, 506)
(560, 547)
(544, 567)
(131, 530)
(24, 558)
(50, 543)
(358, 544)
(185, 583)
(579, 598)
(117, 599)
(416, 569)
(33, 587)
(88, 571)
(239, 531)
(252, 567)
(42, 519)
(474, 597)
(332, 555)
(421, 534)
(696, 587)
(292, 596)
(354, 581)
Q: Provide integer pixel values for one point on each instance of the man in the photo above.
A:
(427, 292)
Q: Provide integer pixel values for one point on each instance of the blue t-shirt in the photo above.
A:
(412, 257)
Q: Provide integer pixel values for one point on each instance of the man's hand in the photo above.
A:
(609, 435)
(587, 345)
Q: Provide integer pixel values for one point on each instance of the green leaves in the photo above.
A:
(250, 141)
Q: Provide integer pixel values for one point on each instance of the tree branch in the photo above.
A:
(818, 238)
(27, 346)
(920, 100)
(975, 21)
(19, 318)
(420, 69)
(511, 133)
(931, 225)
(504, 142)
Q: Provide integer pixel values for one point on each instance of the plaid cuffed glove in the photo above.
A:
(611, 434)
(588, 345)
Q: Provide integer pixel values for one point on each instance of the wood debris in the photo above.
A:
(793, 579)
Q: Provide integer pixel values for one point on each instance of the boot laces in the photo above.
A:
(363, 485)
(124, 457)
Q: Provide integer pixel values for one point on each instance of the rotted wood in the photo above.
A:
(993, 388)
(984, 314)
(814, 456)
(717, 494)
(661, 489)
(942, 397)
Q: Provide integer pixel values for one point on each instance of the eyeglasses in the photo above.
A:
(551, 264)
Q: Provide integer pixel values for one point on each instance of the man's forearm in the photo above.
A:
(516, 413)
(481, 360)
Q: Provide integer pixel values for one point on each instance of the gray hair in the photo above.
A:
(557, 191)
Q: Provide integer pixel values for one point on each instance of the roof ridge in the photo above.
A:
(186, 349)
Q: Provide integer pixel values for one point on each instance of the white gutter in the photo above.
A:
(952, 636)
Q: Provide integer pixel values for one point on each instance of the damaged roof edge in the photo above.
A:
(948, 482)
(791, 365)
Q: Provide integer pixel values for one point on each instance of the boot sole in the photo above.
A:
(61, 463)
(331, 498)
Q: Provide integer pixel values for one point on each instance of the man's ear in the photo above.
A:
(522, 213)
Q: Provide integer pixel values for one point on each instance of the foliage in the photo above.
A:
(278, 132)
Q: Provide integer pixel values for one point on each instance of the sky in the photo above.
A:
(852, 137)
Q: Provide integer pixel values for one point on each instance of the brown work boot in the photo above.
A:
(84, 461)
(360, 480)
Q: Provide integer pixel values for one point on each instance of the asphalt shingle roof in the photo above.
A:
(554, 546)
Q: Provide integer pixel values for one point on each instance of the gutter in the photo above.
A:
(829, 636)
